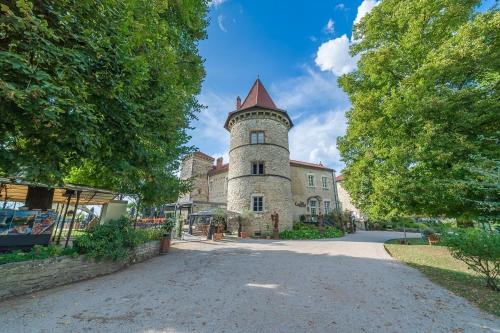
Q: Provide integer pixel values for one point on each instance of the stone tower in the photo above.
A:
(196, 167)
(259, 160)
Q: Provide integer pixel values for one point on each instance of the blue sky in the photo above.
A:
(298, 50)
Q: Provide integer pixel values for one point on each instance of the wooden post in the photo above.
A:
(64, 216)
(73, 218)
(59, 215)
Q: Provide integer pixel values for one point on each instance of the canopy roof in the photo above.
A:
(16, 190)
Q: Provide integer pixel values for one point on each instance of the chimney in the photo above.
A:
(238, 103)
(219, 163)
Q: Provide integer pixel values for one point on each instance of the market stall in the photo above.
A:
(24, 226)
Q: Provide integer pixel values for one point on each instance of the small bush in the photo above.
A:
(311, 233)
(146, 235)
(304, 226)
(38, 252)
(112, 240)
(480, 250)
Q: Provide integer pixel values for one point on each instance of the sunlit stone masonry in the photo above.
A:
(260, 176)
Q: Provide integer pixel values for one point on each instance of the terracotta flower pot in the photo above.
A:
(217, 236)
(243, 234)
(165, 243)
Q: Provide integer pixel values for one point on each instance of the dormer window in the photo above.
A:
(256, 137)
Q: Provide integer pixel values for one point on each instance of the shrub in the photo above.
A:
(38, 252)
(311, 233)
(146, 235)
(112, 240)
(480, 250)
(304, 226)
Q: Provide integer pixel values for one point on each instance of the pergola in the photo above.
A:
(16, 190)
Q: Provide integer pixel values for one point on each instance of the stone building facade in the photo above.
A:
(345, 199)
(260, 176)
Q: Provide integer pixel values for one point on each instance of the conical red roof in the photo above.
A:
(258, 96)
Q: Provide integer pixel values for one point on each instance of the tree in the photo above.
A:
(99, 93)
(424, 94)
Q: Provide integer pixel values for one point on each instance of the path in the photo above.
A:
(344, 285)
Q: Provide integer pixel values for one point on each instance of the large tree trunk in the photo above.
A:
(39, 197)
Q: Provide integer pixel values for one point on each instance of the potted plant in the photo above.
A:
(219, 216)
(244, 220)
(165, 239)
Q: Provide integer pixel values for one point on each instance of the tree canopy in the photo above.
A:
(423, 129)
(99, 93)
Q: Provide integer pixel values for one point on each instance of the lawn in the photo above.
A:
(440, 267)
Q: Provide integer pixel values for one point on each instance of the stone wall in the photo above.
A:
(196, 166)
(275, 184)
(218, 187)
(302, 192)
(29, 276)
(345, 201)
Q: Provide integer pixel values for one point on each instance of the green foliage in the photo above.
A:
(112, 240)
(480, 250)
(100, 93)
(245, 217)
(307, 232)
(304, 226)
(421, 137)
(219, 215)
(38, 252)
(149, 234)
(168, 225)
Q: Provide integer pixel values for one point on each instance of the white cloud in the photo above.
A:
(315, 139)
(220, 21)
(334, 56)
(311, 91)
(330, 27)
(215, 3)
(340, 6)
(317, 106)
(209, 134)
(363, 9)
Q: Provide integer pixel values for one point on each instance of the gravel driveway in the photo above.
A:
(344, 285)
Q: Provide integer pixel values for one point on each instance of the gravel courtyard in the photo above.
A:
(344, 285)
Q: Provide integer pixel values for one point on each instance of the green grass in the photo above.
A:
(440, 267)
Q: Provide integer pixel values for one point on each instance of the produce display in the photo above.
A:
(26, 222)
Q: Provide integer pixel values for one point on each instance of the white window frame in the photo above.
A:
(309, 177)
(252, 202)
(324, 182)
(325, 208)
(260, 137)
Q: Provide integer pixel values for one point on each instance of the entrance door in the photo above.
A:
(313, 208)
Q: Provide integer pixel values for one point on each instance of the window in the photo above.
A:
(257, 137)
(313, 207)
(324, 181)
(327, 206)
(310, 180)
(258, 204)
(257, 168)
